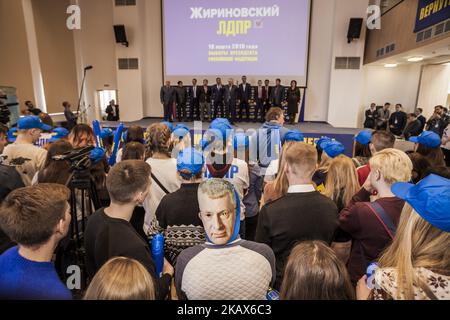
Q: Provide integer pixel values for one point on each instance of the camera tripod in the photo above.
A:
(71, 252)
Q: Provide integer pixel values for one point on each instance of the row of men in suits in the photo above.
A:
(208, 100)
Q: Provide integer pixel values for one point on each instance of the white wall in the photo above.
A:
(320, 55)
(433, 87)
(95, 45)
(152, 59)
(346, 85)
(394, 85)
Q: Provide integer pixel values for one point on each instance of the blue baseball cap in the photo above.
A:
(169, 125)
(32, 122)
(190, 160)
(224, 128)
(322, 141)
(106, 133)
(181, 130)
(430, 198)
(428, 139)
(333, 148)
(221, 121)
(58, 134)
(12, 135)
(97, 155)
(241, 141)
(294, 135)
(364, 137)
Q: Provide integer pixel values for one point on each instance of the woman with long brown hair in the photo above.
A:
(428, 144)
(164, 172)
(314, 272)
(81, 136)
(417, 264)
(55, 171)
(134, 134)
(121, 279)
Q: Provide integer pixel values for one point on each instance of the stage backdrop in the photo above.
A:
(258, 38)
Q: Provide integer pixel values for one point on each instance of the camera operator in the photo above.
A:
(3, 137)
(31, 109)
(4, 110)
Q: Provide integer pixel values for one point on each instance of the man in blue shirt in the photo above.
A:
(36, 218)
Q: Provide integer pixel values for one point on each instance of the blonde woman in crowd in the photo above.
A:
(121, 279)
(340, 186)
(417, 264)
(276, 189)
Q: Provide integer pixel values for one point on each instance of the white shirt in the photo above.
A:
(301, 188)
(165, 170)
(272, 171)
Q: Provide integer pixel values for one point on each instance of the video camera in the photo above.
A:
(79, 158)
(4, 109)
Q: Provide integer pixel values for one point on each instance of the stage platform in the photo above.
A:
(306, 127)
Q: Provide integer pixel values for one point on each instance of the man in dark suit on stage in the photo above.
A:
(181, 98)
(167, 96)
(261, 98)
(231, 95)
(205, 100)
(194, 94)
(244, 95)
(218, 92)
(277, 94)
(267, 103)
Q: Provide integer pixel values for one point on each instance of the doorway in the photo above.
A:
(104, 97)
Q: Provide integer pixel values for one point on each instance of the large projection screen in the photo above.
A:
(262, 39)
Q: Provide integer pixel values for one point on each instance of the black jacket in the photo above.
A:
(107, 238)
(277, 96)
(218, 94)
(294, 218)
(423, 122)
(244, 95)
(398, 122)
(205, 95)
(371, 119)
(413, 129)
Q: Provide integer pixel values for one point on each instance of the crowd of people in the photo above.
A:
(409, 125)
(206, 101)
(243, 215)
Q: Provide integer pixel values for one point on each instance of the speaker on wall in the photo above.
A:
(121, 34)
(354, 29)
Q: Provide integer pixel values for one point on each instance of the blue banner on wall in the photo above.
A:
(431, 12)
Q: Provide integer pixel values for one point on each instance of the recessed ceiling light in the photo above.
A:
(415, 59)
(390, 65)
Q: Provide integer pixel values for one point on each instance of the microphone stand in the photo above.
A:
(81, 93)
